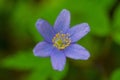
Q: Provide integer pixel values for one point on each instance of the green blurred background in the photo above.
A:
(18, 36)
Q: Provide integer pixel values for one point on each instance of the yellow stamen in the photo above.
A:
(61, 41)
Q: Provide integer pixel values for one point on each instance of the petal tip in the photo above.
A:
(65, 10)
(34, 52)
(87, 56)
(87, 26)
(58, 69)
(38, 22)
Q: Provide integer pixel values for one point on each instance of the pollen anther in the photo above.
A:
(61, 41)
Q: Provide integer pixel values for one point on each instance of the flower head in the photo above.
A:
(60, 40)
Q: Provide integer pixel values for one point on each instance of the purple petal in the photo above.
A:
(76, 51)
(43, 49)
(45, 29)
(58, 59)
(62, 21)
(78, 31)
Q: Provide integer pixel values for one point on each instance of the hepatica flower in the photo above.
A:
(60, 40)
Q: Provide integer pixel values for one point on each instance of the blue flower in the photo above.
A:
(60, 40)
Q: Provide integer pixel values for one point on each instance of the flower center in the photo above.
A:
(61, 41)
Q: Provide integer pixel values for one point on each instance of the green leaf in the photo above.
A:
(95, 16)
(56, 75)
(24, 18)
(41, 68)
(2, 3)
(116, 26)
(115, 75)
(103, 3)
(47, 73)
(21, 60)
(116, 36)
(38, 74)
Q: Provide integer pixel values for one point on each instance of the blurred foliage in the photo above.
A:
(116, 26)
(18, 36)
(115, 75)
(41, 67)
